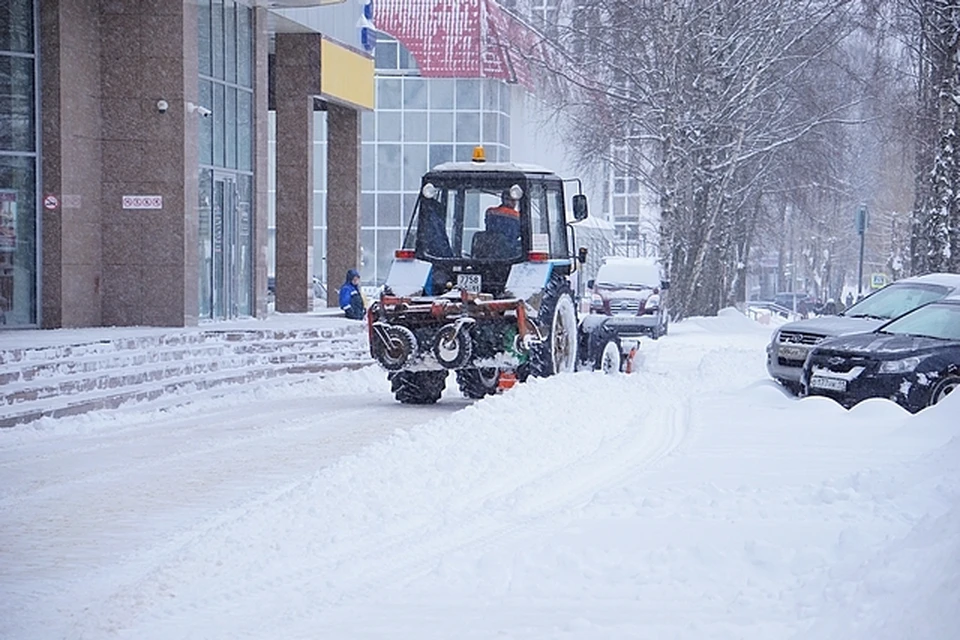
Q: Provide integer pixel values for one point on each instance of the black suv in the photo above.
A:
(790, 344)
(913, 360)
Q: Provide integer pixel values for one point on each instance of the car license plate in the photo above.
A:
(793, 353)
(830, 384)
(469, 282)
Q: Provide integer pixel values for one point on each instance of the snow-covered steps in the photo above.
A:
(60, 373)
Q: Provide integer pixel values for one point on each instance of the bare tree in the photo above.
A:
(935, 232)
(711, 98)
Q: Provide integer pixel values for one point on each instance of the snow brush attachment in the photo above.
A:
(392, 345)
(506, 381)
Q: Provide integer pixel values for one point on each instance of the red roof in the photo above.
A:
(461, 38)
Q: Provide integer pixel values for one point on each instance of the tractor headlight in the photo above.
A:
(901, 366)
(516, 192)
(429, 191)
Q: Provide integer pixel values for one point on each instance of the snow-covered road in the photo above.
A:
(689, 500)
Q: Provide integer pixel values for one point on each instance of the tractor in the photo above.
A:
(482, 283)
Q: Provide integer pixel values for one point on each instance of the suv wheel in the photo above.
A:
(945, 387)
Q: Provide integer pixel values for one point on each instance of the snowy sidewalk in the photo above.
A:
(67, 371)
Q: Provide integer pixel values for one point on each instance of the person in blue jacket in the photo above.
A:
(351, 300)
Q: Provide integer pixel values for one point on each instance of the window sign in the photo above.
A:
(8, 220)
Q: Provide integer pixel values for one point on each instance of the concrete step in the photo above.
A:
(67, 379)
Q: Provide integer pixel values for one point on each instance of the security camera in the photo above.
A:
(198, 109)
(162, 106)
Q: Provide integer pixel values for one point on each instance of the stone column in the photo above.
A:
(189, 225)
(297, 81)
(261, 108)
(343, 196)
(149, 52)
(70, 43)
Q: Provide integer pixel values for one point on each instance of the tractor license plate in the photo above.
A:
(830, 384)
(469, 282)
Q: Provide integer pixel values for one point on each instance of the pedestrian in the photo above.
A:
(351, 300)
(849, 299)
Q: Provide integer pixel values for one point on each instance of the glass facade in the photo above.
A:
(633, 205)
(226, 159)
(19, 159)
(545, 15)
(418, 123)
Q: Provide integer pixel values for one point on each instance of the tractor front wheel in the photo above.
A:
(610, 359)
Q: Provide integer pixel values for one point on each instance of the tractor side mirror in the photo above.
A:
(664, 285)
(590, 283)
(582, 255)
(579, 207)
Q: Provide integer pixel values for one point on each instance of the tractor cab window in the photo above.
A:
(547, 225)
(467, 222)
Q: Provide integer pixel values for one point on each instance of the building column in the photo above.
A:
(70, 43)
(297, 78)
(149, 264)
(261, 92)
(343, 196)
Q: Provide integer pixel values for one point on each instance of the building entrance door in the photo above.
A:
(221, 273)
(226, 241)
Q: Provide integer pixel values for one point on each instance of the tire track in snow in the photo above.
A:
(180, 481)
(608, 468)
(162, 447)
(378, 561)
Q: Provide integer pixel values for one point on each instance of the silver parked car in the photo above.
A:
(791, 343)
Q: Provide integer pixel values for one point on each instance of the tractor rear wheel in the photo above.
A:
(478, 383)
(558, 324)
(417, 387)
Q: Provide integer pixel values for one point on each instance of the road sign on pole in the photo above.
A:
(862, 230)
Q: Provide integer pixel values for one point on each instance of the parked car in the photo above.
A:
(632, 295)
(913, 360)
(790, 344)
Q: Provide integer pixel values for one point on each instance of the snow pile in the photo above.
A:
(728, 320)
(910, 587)
(691, 500)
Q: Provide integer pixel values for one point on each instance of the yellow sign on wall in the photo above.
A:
(346, 76)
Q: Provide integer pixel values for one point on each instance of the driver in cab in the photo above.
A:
(505, 221)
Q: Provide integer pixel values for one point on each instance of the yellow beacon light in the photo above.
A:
(479, 155)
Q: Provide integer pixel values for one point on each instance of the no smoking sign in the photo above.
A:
(51, 202)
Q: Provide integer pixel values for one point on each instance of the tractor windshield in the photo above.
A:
(467, 222)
